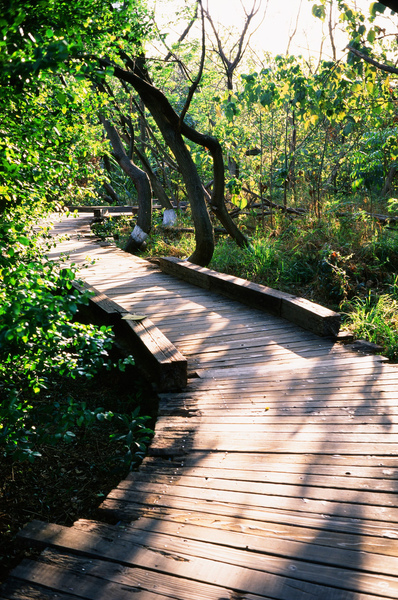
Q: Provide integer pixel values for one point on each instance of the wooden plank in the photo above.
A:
(259, 391)
(134, 581)
(221, 478)
(242, 571)
(228, 516)
(382, 467)
(343, 534)
(248, 341)
(14, 589)
(302, 364)
(247, 468)
(101, 304)
(179, 447)
(154, 354)
(285, 422)
(105, 577)
(86, 586)
(256, 489)
(285, 540)
(232, 503)
(158, 358)
(228, 333)
(308, 315)
(262, 425)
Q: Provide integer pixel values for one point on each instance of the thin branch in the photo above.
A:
(372, 61)
(230, 64)
(331, 31)
(186, 30)
(295, 28)
(196, 82)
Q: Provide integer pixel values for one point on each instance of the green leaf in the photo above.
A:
(371, 36)
(61, 97)
(376, 7)
(318, 10)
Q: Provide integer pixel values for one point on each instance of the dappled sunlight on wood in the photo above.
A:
(272, 475)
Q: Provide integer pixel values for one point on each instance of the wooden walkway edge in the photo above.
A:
(308, 315)
(155, 355)
(273, 473)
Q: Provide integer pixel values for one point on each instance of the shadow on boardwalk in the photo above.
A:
(273, 475)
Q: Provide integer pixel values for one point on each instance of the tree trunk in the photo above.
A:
(142, 185)
(169, 214)
(157, 187)
(111, 192)
(389, 179)
(217, 200)
(168, 122)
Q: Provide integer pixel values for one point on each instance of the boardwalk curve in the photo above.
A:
(272, 474)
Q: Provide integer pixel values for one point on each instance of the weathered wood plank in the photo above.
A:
(285, 540)
(375, 423)
(14, 589)
(228, 516)
(243, 571)
(302, 312)
(121, 584)
(351, 477)
(179, 447)
(85, 585)
(280, 426)
(208, 486)
(155, 355)
(233, 503)
(218, 478)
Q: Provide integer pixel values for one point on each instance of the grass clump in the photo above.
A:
(375, 318)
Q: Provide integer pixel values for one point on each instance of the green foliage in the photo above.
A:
(41, 36)
(375, 318)
(136, 437)
(111, 227)
(39, 338)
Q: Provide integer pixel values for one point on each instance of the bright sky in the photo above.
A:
(279, 23)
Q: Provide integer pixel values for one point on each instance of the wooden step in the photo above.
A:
(154, 354)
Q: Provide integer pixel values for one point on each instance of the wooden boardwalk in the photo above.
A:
(272, 475)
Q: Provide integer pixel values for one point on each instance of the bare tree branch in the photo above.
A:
(229, 63)
(295, 28)
(186, 30)
(372, 61)
(330, 27)
(196, 82)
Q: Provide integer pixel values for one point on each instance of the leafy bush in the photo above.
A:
(40, 341)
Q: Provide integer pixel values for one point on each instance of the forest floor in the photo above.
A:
(69, 480)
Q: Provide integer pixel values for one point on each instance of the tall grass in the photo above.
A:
(375, 318)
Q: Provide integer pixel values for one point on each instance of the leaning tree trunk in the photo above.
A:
(217, 202)
(142, 185)
(168, 122)
(111, 192)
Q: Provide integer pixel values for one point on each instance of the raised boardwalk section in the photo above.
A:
(272, 474)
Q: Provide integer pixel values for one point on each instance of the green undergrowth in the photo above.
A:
(42, 343)
(176, 241)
